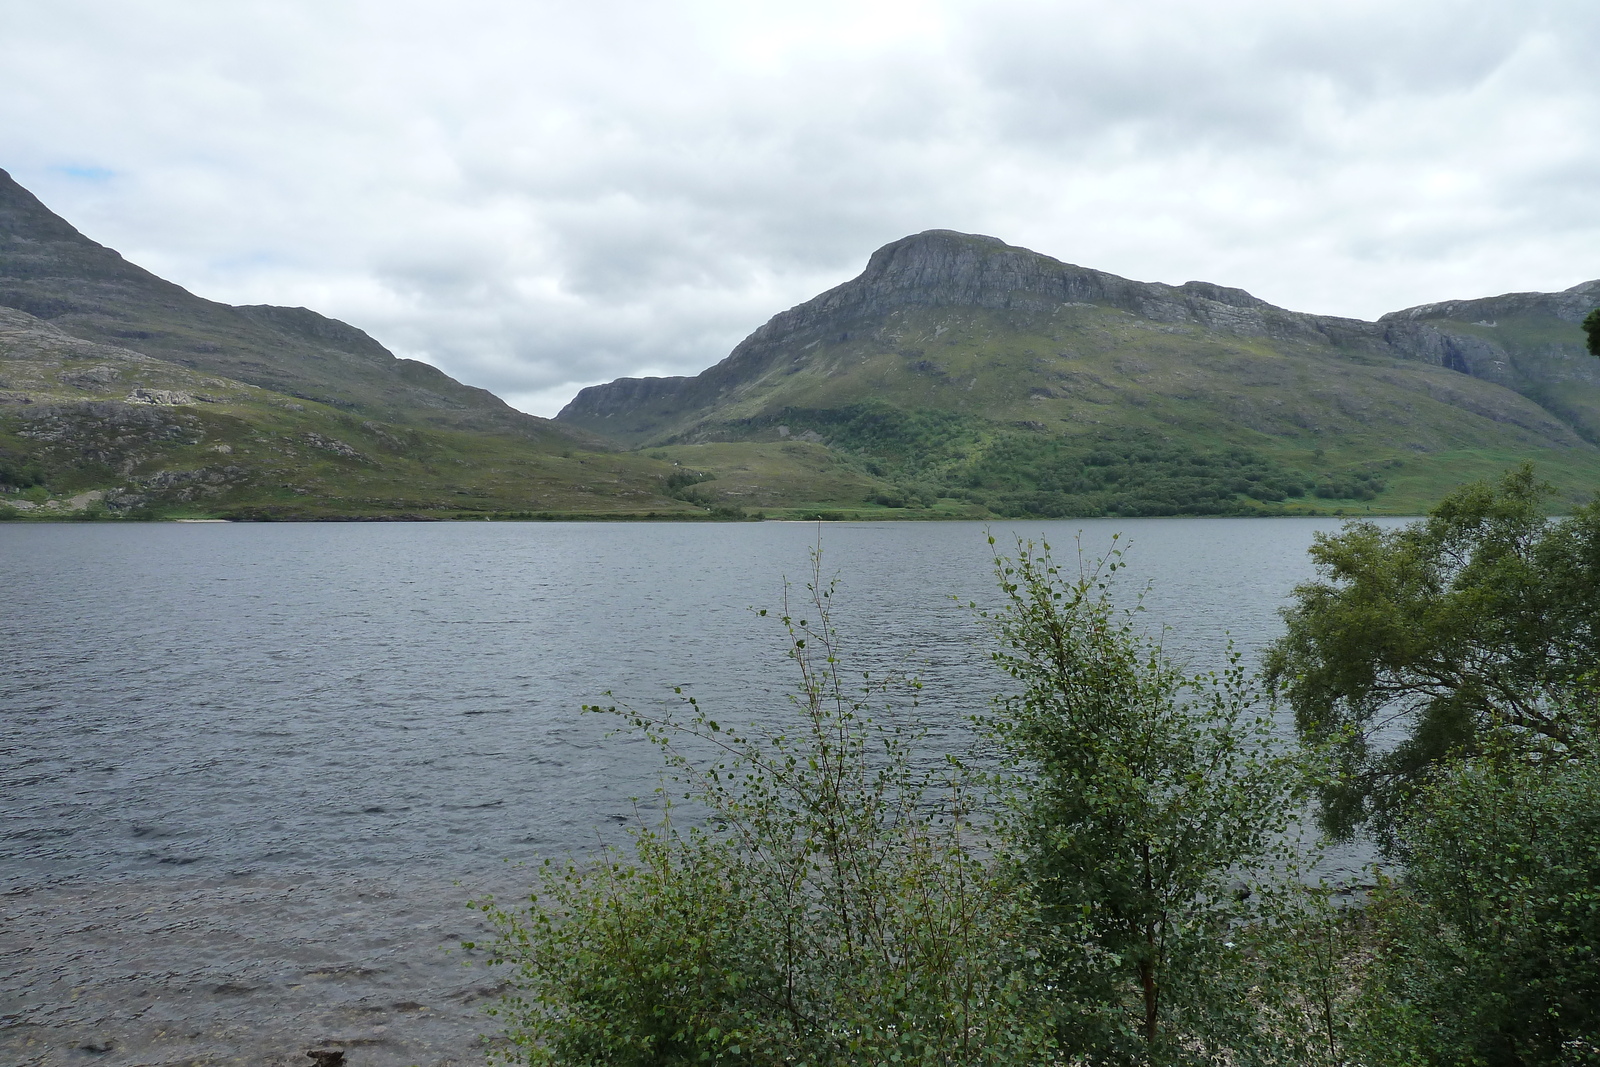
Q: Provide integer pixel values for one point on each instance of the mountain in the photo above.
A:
(51, 271)
(122, 393)
(988, 376)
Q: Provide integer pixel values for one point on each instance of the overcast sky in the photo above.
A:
(540, 196)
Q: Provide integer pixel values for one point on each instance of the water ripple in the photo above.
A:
(379, 696)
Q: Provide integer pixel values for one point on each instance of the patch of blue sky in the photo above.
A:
(85, 172)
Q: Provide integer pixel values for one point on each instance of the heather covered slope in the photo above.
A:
(978, 371)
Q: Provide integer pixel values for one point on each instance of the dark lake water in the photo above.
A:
(227, 709)
(254, 698)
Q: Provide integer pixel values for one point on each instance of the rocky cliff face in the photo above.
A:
(946, 269)
(1569, 305)
(1514, 340)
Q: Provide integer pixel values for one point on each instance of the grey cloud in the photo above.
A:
(1239, 75)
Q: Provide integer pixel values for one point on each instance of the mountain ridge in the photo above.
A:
(52, 271)
(123, 394)
(947, 269)
(973, 373)
(956, 376)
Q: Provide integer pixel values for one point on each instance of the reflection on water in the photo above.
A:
(216, 705)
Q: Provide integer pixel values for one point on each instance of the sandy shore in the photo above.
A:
(246, 971)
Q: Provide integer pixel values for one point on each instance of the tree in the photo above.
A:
(1487, 951)
(1148, 814)
(1591, 328)
(1420, 641)
(831, 905)
(834, 906)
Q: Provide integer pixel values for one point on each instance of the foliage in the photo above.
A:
(1137, 900)
(1126, 474)
(1419, 640)
(1149, 815)
(1591, 330)
(1488, 949)
(19, 472)
(1318, 955)
(675, 483)
(1015, 472)
(908, 443)
(834, 908)
(1349, 485)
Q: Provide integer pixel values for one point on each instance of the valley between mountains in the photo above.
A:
(957, 376)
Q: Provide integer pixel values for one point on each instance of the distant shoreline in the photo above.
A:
(60, 518)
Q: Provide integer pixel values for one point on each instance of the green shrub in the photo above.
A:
(1019, 472)
(1132, 897)
(19, 473)
(1488, 947)
(1149, 813)
(679, 480)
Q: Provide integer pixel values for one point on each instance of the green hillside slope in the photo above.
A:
(124, 395)
(970, 374)
(91, 430)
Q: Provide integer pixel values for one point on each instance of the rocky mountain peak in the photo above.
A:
(47, 266)
(23, 217)
(1223, 294)
(946, 253)
(947, 268)
(50, 270)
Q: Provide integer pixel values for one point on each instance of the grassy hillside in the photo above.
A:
(1090, 410)
(1547, 364)
(122, 394)
(88, 429)
(1080, 369)
(965, 371)
(957, 375)
(1012, 473)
